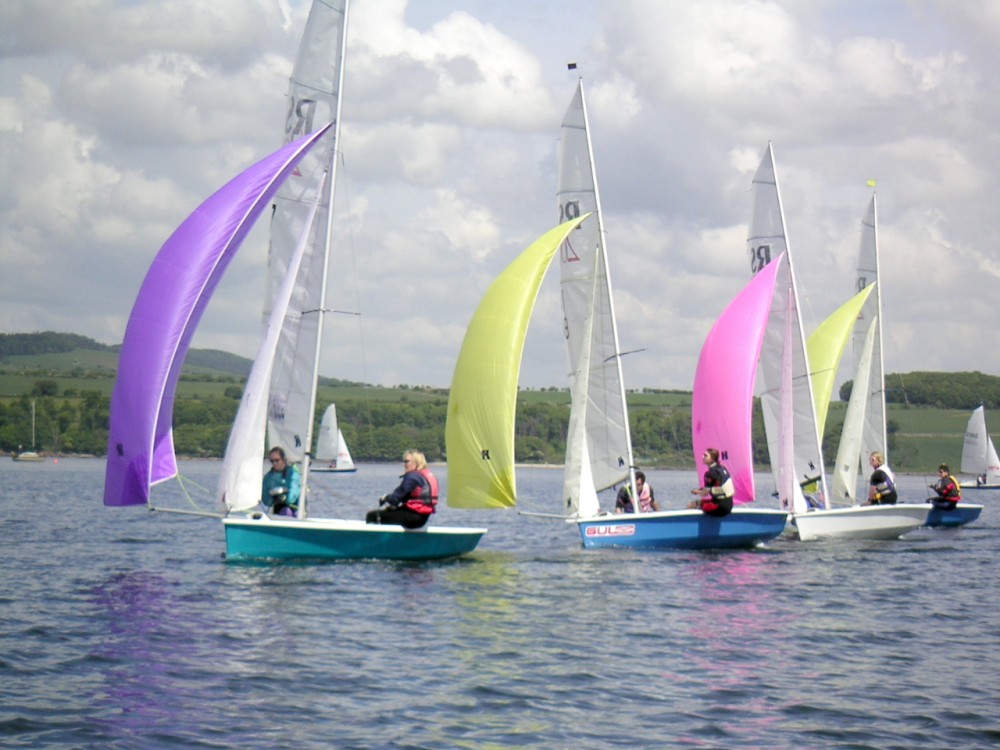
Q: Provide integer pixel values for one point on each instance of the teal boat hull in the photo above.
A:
(264, 538)
(683, 529)
(962, 514)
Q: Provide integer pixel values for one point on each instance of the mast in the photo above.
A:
(328, 241)
(602, 251)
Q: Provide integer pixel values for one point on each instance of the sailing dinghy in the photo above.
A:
(332, 455)
(979, 456)
(482, 403)
(721, 414)
(788, 401)
(31, 456)
(314, 94)
(599, 445)
(173, 296)
(864, 430)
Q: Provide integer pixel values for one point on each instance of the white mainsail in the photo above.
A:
(326, 441)
(848, 465)
(313, 99)
(598, 446)
(330, 443)
(874, 436)
(766, 240)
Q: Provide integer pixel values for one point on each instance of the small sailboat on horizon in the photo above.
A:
(979, 455)
(332, 454)
(30, 456)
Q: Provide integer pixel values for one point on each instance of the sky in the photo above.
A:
(118, 117)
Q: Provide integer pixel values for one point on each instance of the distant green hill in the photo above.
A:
(72, 377)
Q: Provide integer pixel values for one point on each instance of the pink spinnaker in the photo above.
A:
(722, 403)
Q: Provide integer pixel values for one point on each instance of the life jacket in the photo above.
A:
(954, 492)
(424, 497)
(885, 490)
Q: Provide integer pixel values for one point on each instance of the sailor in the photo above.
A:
(717, 487)
(282, 485)
(414, 500)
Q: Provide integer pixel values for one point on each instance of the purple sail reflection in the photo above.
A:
(173, 296)
(722, 402)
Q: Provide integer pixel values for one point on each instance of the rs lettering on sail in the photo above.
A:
(300, 117)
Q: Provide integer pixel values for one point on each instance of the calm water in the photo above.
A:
(121, 628)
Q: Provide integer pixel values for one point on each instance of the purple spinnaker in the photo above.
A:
(173, 296)
(722, 403)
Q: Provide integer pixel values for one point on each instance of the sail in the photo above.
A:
(598, 450)
(479, 432)
(344, 459)
(874, 436)
(163, 320)
(825, 349)
(766, 238)
(330, 444)
(242, 472)
(313, 98)
(326, 442)
(722, 402)
(847, 465)
(979, 456)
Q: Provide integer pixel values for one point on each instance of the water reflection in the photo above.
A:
(148, 639)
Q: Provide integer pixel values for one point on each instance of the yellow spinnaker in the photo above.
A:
(825, 348)
(479, 434)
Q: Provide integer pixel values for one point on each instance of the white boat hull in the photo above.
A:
(860, 522)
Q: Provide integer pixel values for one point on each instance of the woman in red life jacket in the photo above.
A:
(949, 492)
(414, 500)
(717, 487)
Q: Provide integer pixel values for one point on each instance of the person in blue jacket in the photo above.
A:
(411, 504)
(282, 485)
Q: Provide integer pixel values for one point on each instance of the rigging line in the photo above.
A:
(345, 184)
(184, 489)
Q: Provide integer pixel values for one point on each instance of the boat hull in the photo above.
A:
(325, 470)
(682, 529)
(27, 457)
(265, 538)
(960, 515)
(859, 522)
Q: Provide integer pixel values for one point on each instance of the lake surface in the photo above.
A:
(121, 628)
